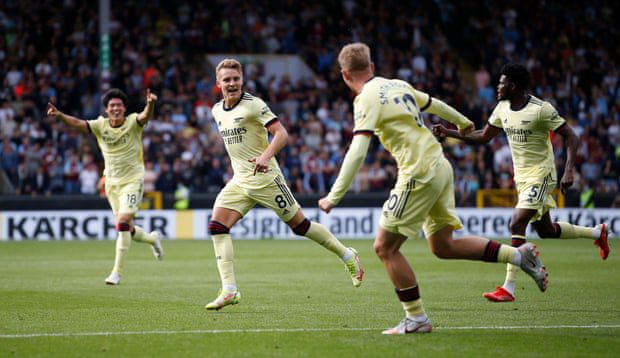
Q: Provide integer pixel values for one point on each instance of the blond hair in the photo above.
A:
(354, 57)
(229, 63)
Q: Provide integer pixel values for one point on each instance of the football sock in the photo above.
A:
(511, 270)
(511, 278)
(123, 241)
(139, 235)
(319, 234)
(348, 254)
(570, 231)
(412, 303)
(224, 254)
(496, 252)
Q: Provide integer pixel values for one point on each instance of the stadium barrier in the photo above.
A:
(346, 223)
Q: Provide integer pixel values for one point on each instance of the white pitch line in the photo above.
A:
(289, 330)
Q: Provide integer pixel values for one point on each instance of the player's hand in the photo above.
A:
(150, 97)
(439, 131)
(261, 164)
(325, 205)
(52, 111)
(466, 130)
(567, 181)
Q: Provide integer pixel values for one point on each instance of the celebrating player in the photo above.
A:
(527, 121)
(244, 122)
(423, 196)
(120, 141)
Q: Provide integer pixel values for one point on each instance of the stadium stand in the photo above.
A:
(451, 49)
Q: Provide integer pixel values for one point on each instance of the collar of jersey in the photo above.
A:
(234, 105)
(122, 124)
(529, 98)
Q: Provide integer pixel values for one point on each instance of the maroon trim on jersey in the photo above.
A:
(560, 127)
(490, 125)
(88, 126)
(273, 121)
(363, 132)
(428, 104)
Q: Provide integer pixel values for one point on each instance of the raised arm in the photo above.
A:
(278, 141)
(147, 113)
(475, 136)
(71, 121)
(353, 160)
(571, 142)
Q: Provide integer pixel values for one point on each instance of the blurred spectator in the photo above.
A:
(89, 177)
(573, 64)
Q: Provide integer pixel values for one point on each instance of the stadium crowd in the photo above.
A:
(453, 50)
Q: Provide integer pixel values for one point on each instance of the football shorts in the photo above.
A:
(430, 206)
(276, 196)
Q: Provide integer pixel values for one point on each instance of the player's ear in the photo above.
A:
(345, 75)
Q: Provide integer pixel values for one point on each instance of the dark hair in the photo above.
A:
(517, 74)
(114, 93)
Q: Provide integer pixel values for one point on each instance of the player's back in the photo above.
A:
(391, 109)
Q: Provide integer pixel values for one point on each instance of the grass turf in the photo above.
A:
(298, 301)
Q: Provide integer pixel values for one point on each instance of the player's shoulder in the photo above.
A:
(246, 96)
(502, 105)
(252, 101)
(100, 118)
(132, 118)
(537, 101)
(370, 90)
(97, 122)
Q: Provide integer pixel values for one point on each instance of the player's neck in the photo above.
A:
(519, 101)
(114, 123)
(232, 101)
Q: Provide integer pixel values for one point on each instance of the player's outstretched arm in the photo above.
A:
(571, 152)
(278, 141)
(473, 136)
(71, 121)
(147, 113)
(353, 160)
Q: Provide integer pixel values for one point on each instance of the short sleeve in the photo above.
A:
(365, 115)
(422, 99)
(550, 118)
(265, 115)
(494, 119)
(135, 124)
(94, 125)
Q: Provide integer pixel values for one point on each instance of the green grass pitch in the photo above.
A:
(297, 301)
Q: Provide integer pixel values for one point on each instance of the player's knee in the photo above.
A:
(379, 250)
(217, 228)
(442, 251)
(383, 251)
(517, 226)
(547, 232)
(302, 228)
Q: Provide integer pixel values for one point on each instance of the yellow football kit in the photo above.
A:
(527, 131)
(243, 128)
(124, 163)
(423, 194)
